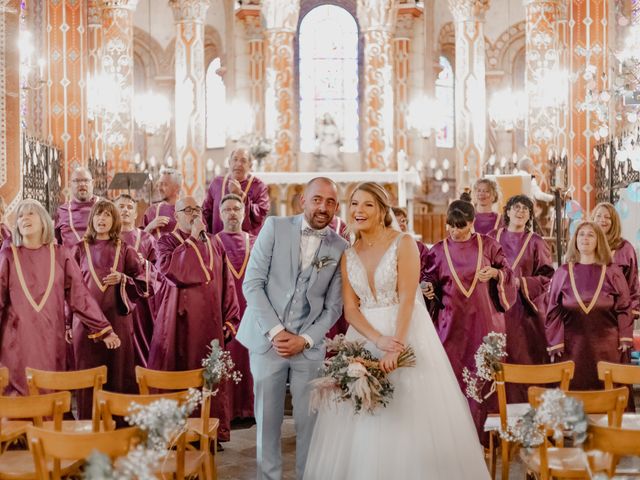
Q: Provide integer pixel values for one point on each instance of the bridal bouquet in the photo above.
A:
(490, 353)
(354, 375)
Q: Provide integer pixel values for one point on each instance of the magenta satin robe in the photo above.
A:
(114, 300)
(71, 221)
(625, 257)
(587, 338)
(241, 395)
(162, 209)
(463, 319)
(339, 226)
(31, 338)
(145, 246)
(196, 300)
(5, 233)
(530, 259)
(486, 222)
(255, 198)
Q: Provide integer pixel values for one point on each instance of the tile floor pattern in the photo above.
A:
(237, 462)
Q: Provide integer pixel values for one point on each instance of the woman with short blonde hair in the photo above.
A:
(485, 195)
(623, 253)
(37, 279)
(589, 317)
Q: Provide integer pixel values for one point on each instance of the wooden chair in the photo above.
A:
(49, 447)
(548, 461)
(10, 430)
(560, 373)
(39, 380)
(617, 374)
(19, 464)
(4, 379)
(179, 462)
(607, 445)
(203, 428)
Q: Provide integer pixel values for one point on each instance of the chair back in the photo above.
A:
(613, 374)
(49, 445)
(560, 373)
(610, 402)
(95, 378)
(158, 379)
(35, 407)
(617, 442)
(4, 379)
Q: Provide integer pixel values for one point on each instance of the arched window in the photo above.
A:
(328, 62)
(215, 106)
(445, 95)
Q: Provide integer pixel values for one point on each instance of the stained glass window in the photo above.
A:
(215, 106)
(445, 95)
(328, 62)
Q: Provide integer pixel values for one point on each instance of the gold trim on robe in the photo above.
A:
(596, 294)
(247, 246)
(525, 291)
(100, 333)
(246, 190)
(94, 275)
(200, 259)
(23, 284)
(555, 347)
(454, 274)
(522, 250)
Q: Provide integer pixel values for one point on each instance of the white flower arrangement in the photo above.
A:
(218, 367)
(490, 353)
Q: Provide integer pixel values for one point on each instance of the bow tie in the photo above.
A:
(310, 232)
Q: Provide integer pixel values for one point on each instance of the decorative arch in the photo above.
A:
(447, 42)
(504, 50)
(149, 51)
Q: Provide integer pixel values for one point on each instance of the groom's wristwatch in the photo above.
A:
(307, 345)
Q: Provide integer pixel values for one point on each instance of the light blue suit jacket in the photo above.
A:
(270, 281)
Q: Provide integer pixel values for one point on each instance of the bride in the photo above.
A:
(426, 431)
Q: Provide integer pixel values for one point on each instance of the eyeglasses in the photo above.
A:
(232, 209)
(191, 210)
(518, 207)
(82, 180)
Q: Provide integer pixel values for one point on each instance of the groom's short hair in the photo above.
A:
(321, 179)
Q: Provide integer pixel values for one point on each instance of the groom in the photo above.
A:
(293, 292)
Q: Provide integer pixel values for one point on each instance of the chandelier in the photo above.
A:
(507, 109)
(152, 112)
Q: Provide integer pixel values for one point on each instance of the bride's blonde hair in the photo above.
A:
(381, 198)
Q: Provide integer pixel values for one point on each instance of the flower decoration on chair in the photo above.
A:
(218, 367)
(490, 353)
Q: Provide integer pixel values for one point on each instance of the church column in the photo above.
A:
(249, 15)
(10, 161)
(66, 63)
(401, 66)
(117, 70)
(588, 45)
(543, 51)
(94, 48)
(377, 18)
(281, 20)
(189, 16)
(471, 92)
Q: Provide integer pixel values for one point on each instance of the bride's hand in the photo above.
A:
(389, 362)
(389, 344)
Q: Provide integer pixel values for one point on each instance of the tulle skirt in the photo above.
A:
(426, 431)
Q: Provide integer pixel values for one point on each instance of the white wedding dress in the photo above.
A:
(426, 431)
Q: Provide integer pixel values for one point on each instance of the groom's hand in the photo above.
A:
(287, 344)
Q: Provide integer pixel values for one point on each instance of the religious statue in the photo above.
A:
(328, 143)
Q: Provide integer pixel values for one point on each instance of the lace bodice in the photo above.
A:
(385, 278)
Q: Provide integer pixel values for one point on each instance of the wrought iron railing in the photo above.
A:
(41, 172)
(98, 169)
(614, 166)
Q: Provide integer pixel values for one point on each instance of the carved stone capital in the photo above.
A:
(377, 14)
(125, 4)
(469, 10)
(551, 2)
(250, 17)
(189, 11)
(405, 21)
(280, 14)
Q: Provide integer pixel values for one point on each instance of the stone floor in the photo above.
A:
(237, 461)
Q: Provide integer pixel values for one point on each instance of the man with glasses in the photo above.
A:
(237, 245)
(72, 217)
(159, 218)
(239, 181)
(197, 302)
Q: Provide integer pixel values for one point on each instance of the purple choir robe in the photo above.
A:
(5, 232)
(625, 257)
(588, 318)
(160, 209)
(117, 303)
(256, 202)
(424, 254)
(339, 226)
(530, 260)
(467, 309)
(238, 246)
(71, 221)
(198, 298)
(32, 305)
(486, 222)
(145, 246)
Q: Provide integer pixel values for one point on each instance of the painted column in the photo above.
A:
(94, 69)
(10, 161)
(543, 52)
(66, 88)
(471, 92)
(281, 19)
(117, 72)
(377, 20)
(250, 16)
(189, 16)
(588, 46)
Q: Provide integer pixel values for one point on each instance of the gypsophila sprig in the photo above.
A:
(353, 375)
(218, 367)
(490, 353)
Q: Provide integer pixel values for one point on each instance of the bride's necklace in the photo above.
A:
(375, 240)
